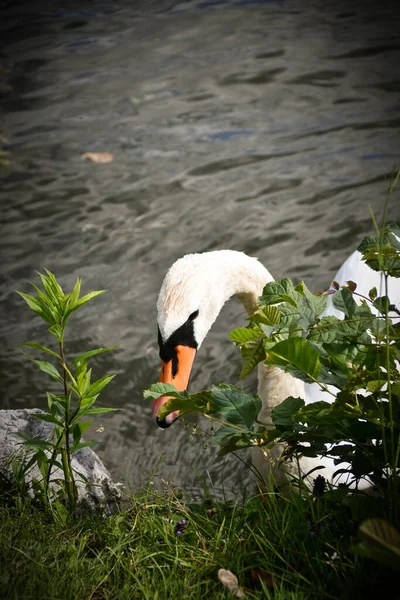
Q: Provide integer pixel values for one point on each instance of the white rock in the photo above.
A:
(102, 493)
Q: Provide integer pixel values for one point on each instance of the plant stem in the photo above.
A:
(68, 472)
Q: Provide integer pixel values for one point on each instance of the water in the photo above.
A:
(267, 127)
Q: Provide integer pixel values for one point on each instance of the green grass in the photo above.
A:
(284, 549)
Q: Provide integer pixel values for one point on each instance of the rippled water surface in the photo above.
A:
(267, 127)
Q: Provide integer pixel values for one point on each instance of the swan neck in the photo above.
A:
(274, 386)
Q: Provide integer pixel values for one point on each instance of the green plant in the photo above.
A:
(67, 409)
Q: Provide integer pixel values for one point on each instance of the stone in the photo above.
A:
(100, 494)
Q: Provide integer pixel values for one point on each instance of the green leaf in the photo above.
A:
(164, 389)
(98, 385)
(282, 415)
(297, 352)
(381, 253)
(343, 300)
(53, 291)
(267, 315)
(52, 311)
(317, 413)
(58, 331)
(77, 430)
(290, 316)
(235, 404)
(97, 411)
(48, 368)
(373, 294)
(36, 443)
(75, 293)
(83, 301)
(42, 462)
(252, 353)
(184, 405)
(316, 302)
(37, 306)
(87, 355)
(327, 330)
(40, 347)
(244, 334)
(48, 418)
(382, 304)
(279, 291)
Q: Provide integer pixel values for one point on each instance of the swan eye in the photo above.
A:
(193, 315)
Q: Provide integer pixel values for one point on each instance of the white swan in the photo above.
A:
(192, 294)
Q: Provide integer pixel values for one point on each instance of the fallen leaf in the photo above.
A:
(98, 157)
(229, 580)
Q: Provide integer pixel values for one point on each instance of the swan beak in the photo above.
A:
(185, 357)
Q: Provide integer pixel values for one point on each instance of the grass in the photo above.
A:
(293, 549)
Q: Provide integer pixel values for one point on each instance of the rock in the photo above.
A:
(100, 494)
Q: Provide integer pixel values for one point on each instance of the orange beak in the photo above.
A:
(185, 358)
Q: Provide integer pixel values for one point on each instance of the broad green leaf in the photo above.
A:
(40, 347)
(243, 439)
(316, 412)
(327, 330)
(244, 334)
(48, 368)
(184, 405)
(317, 303)
(267, 315)
(279, 291)
(381, 253)
(98, 385)
(223, 432)
(164, 389)
(252, 353)
(382, 304)
(87, 355)
(235, 404)
(282, 415)
(297, 352)
(290, 316)
(343, 300)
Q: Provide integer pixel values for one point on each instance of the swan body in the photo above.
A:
(355, 269)
(192, 294)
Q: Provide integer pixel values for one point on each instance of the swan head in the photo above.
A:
(192, 294)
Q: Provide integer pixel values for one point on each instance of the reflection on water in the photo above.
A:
(267, 127)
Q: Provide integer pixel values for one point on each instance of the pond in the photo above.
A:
(267, 127)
